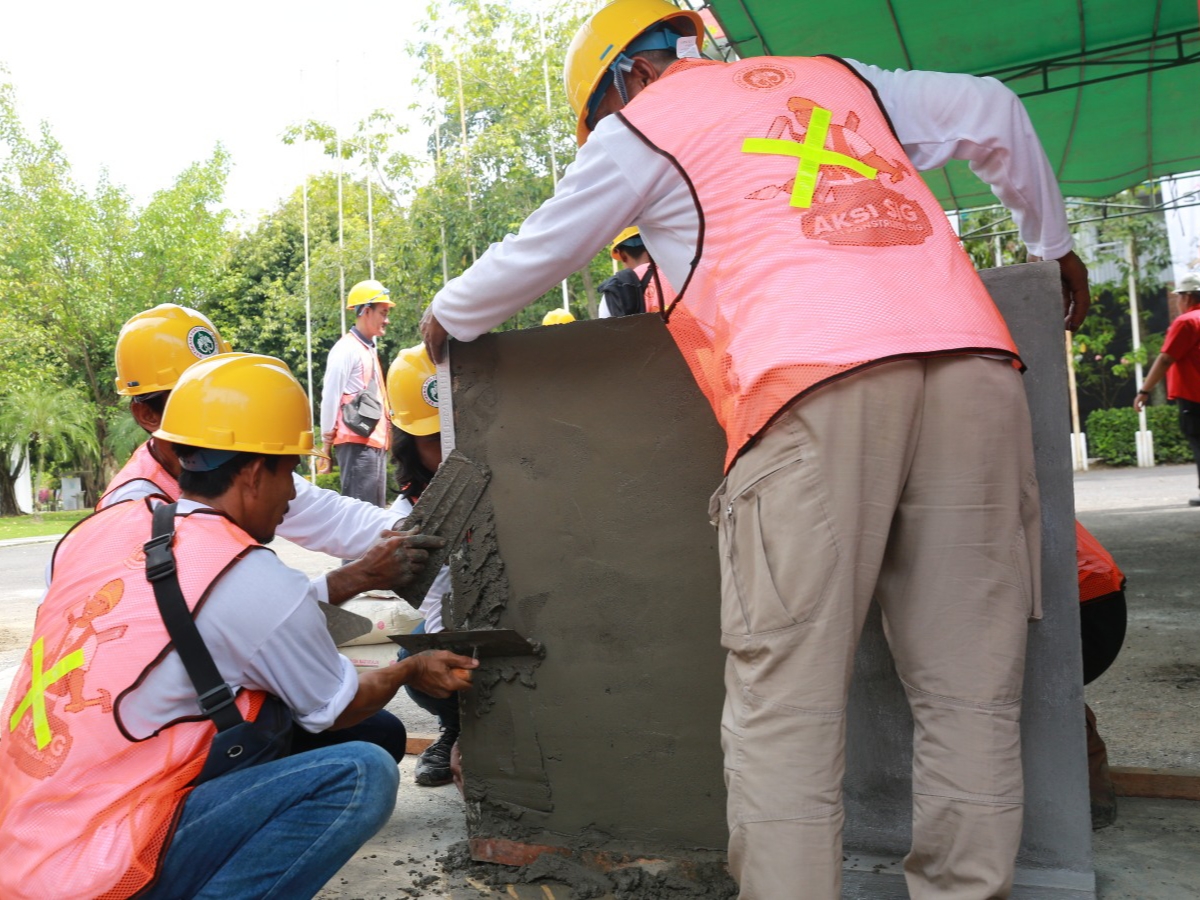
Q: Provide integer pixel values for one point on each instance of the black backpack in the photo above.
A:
(626, 293)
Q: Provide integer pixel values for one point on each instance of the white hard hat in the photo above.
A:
(1188, 284)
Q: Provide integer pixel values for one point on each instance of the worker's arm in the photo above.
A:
(1157, 373)
(594, 201)
(391, 564)
(328, 522)
(438, 673)
(337, 374)
(940, 116)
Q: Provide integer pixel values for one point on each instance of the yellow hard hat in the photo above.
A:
(239, 402)
(603, 37)
(622, 238)
(156, 346)
(413, 391)
(370, 291)
(557, 317)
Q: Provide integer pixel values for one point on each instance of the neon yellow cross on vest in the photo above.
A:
(812, 155)
(36, 698)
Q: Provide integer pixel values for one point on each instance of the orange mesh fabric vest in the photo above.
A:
(820, 250)
(653, 304)
(142, 466)
(86, 809)
(1098, 571)
(367, 361)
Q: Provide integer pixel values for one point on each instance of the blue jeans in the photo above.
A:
(281, 829)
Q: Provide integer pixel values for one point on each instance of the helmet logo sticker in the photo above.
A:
(202, 342)
(429, 390)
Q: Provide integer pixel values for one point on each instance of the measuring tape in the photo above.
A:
(445, 403)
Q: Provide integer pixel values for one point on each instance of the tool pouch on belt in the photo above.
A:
(238, 744)
(363, 413)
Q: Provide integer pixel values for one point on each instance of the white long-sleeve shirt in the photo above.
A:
(261, 623)
(343, 375)
(616, 180)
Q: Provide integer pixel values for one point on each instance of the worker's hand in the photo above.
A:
(1140, 400)
(390, 564)
(324, 465)
(440, 673)
(434, 336)
(398, 557)
(1076, 296)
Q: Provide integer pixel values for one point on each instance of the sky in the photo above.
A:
(148, 88)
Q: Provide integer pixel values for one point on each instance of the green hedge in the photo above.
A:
(1110, 435)
(331, 481)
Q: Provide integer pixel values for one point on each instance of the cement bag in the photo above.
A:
(369, 657)
(389, 617)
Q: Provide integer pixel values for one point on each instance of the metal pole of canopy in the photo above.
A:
(1145, 440)
(550, 132)
(312, 465)
(337, 130)
(462, 120)
(370, 226)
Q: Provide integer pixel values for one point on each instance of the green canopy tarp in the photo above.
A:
(1112, 86)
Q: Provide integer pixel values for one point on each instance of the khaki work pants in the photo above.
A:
(913, 483)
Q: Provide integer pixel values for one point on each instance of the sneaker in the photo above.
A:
(433, 766)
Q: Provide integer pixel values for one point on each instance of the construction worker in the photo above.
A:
(1179, 363)
(354, 419)
(417, 453)
(625, 293)
(879, 440)
(154, 348)
(107, 784)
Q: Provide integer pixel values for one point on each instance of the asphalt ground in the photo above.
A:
(1147, 704)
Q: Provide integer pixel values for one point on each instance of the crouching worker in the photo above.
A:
(161, 667)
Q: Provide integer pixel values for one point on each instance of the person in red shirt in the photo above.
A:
(1179, 361)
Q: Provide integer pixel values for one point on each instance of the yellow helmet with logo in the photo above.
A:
(608, 33)
(370, 291)
(156, 346)
(413, 391)
(240, 403)
(557, 317)
(622, 238)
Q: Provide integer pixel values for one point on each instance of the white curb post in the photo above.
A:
(1079, 455)
(1145, 440)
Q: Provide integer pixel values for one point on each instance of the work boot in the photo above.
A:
(433, 766)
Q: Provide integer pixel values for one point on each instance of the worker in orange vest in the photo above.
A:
(878, 436)
(1102, 621)
(144, 741)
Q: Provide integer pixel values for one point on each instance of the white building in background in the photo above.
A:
(1183, 225)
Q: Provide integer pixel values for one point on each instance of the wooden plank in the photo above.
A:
(1161, 784)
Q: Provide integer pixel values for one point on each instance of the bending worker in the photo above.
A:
(879, 440)
(354, 419)
(107, 784)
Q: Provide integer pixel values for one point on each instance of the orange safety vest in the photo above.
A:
(820, 250)
(1099, 574)
(142, 466)
(650, 295)
(86, 809)
(367, 360)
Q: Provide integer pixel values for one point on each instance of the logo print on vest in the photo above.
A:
(764, 78)
(429, 390)
(202, 342)
(839, 186)
(42, 739)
